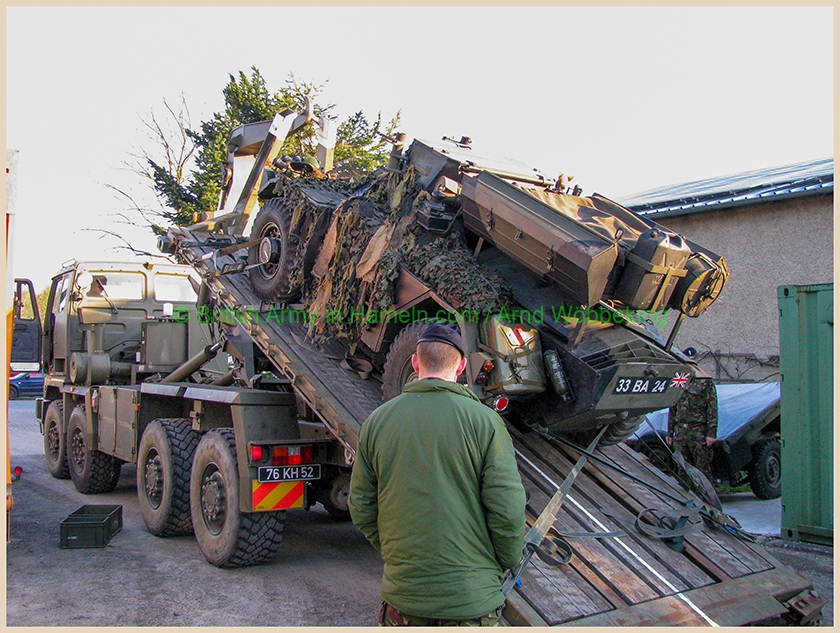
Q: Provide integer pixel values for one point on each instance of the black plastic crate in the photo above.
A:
(91, 526)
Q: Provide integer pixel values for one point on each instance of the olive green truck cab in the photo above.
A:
(132, 375)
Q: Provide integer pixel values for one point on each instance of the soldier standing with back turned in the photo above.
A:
(435, 488)
(693, 421)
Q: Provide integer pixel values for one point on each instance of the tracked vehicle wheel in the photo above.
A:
(54, 441)
(164, 462)
(92, 471)
(620, 431)
(274, 253)
(226, 536)
(398, 371)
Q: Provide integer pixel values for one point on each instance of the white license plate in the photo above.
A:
(641, 385)
(307, 472)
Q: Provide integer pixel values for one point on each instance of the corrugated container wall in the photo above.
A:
(806, 350)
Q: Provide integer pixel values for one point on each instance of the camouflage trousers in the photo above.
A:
(691, 442)
(389, 616)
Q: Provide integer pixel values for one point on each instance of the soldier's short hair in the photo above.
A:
(437, 357)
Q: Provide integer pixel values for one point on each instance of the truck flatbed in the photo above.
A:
(718, 579)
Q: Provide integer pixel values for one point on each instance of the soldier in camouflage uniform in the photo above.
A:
(692, 423)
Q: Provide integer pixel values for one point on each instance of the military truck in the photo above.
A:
(747, 449)
(130, 379)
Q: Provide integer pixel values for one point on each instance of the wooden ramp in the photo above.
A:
(636, 580)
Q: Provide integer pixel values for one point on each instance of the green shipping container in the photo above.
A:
(806, 351)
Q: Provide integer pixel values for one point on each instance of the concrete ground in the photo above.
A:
(815, 562)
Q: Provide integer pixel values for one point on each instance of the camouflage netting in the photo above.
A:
(312, 200)
(450, 269)
(350, 281)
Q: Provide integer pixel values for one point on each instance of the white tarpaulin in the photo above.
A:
(737, 405)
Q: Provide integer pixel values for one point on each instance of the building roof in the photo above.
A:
(724, 192)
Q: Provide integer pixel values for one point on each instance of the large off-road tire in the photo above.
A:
(164, 462)
(398, 371)
(615, 433)
(274, 253)
(335, 499)
(92, 471)
(226, 536)
(765, 470)
(54, 439)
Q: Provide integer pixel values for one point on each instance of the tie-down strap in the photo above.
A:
(672, 523)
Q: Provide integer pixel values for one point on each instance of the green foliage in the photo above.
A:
(182, 202)
(27, 312)
(359, 148)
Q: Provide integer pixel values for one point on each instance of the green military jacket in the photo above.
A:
(436, 490)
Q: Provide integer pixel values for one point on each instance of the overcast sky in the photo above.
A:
(623, 99)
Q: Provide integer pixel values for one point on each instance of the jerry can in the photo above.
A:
(517, 356)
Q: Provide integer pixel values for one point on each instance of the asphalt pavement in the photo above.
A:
(325, 573)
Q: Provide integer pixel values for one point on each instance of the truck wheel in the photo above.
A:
(335, 500)
(765, 470)
(164, 461)
(92, 471)
(398, 370)
(274, 254)
(226, 536)
(54, 438)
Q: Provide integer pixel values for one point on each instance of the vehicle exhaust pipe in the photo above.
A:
(194, 364)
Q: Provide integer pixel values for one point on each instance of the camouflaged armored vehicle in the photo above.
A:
(556, 294)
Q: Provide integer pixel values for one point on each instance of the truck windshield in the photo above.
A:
(174, 288)
(116, 285)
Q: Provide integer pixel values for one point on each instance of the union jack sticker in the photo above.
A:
(680, 380)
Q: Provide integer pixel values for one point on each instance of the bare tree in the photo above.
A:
(165, 163)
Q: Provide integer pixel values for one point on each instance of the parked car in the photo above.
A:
(747, 447)
(27, 383)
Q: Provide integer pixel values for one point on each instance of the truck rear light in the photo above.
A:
(291, 455)
(256, 453)
(500, 404)
(486, 368)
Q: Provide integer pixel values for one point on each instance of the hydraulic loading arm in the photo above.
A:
(251, 150)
